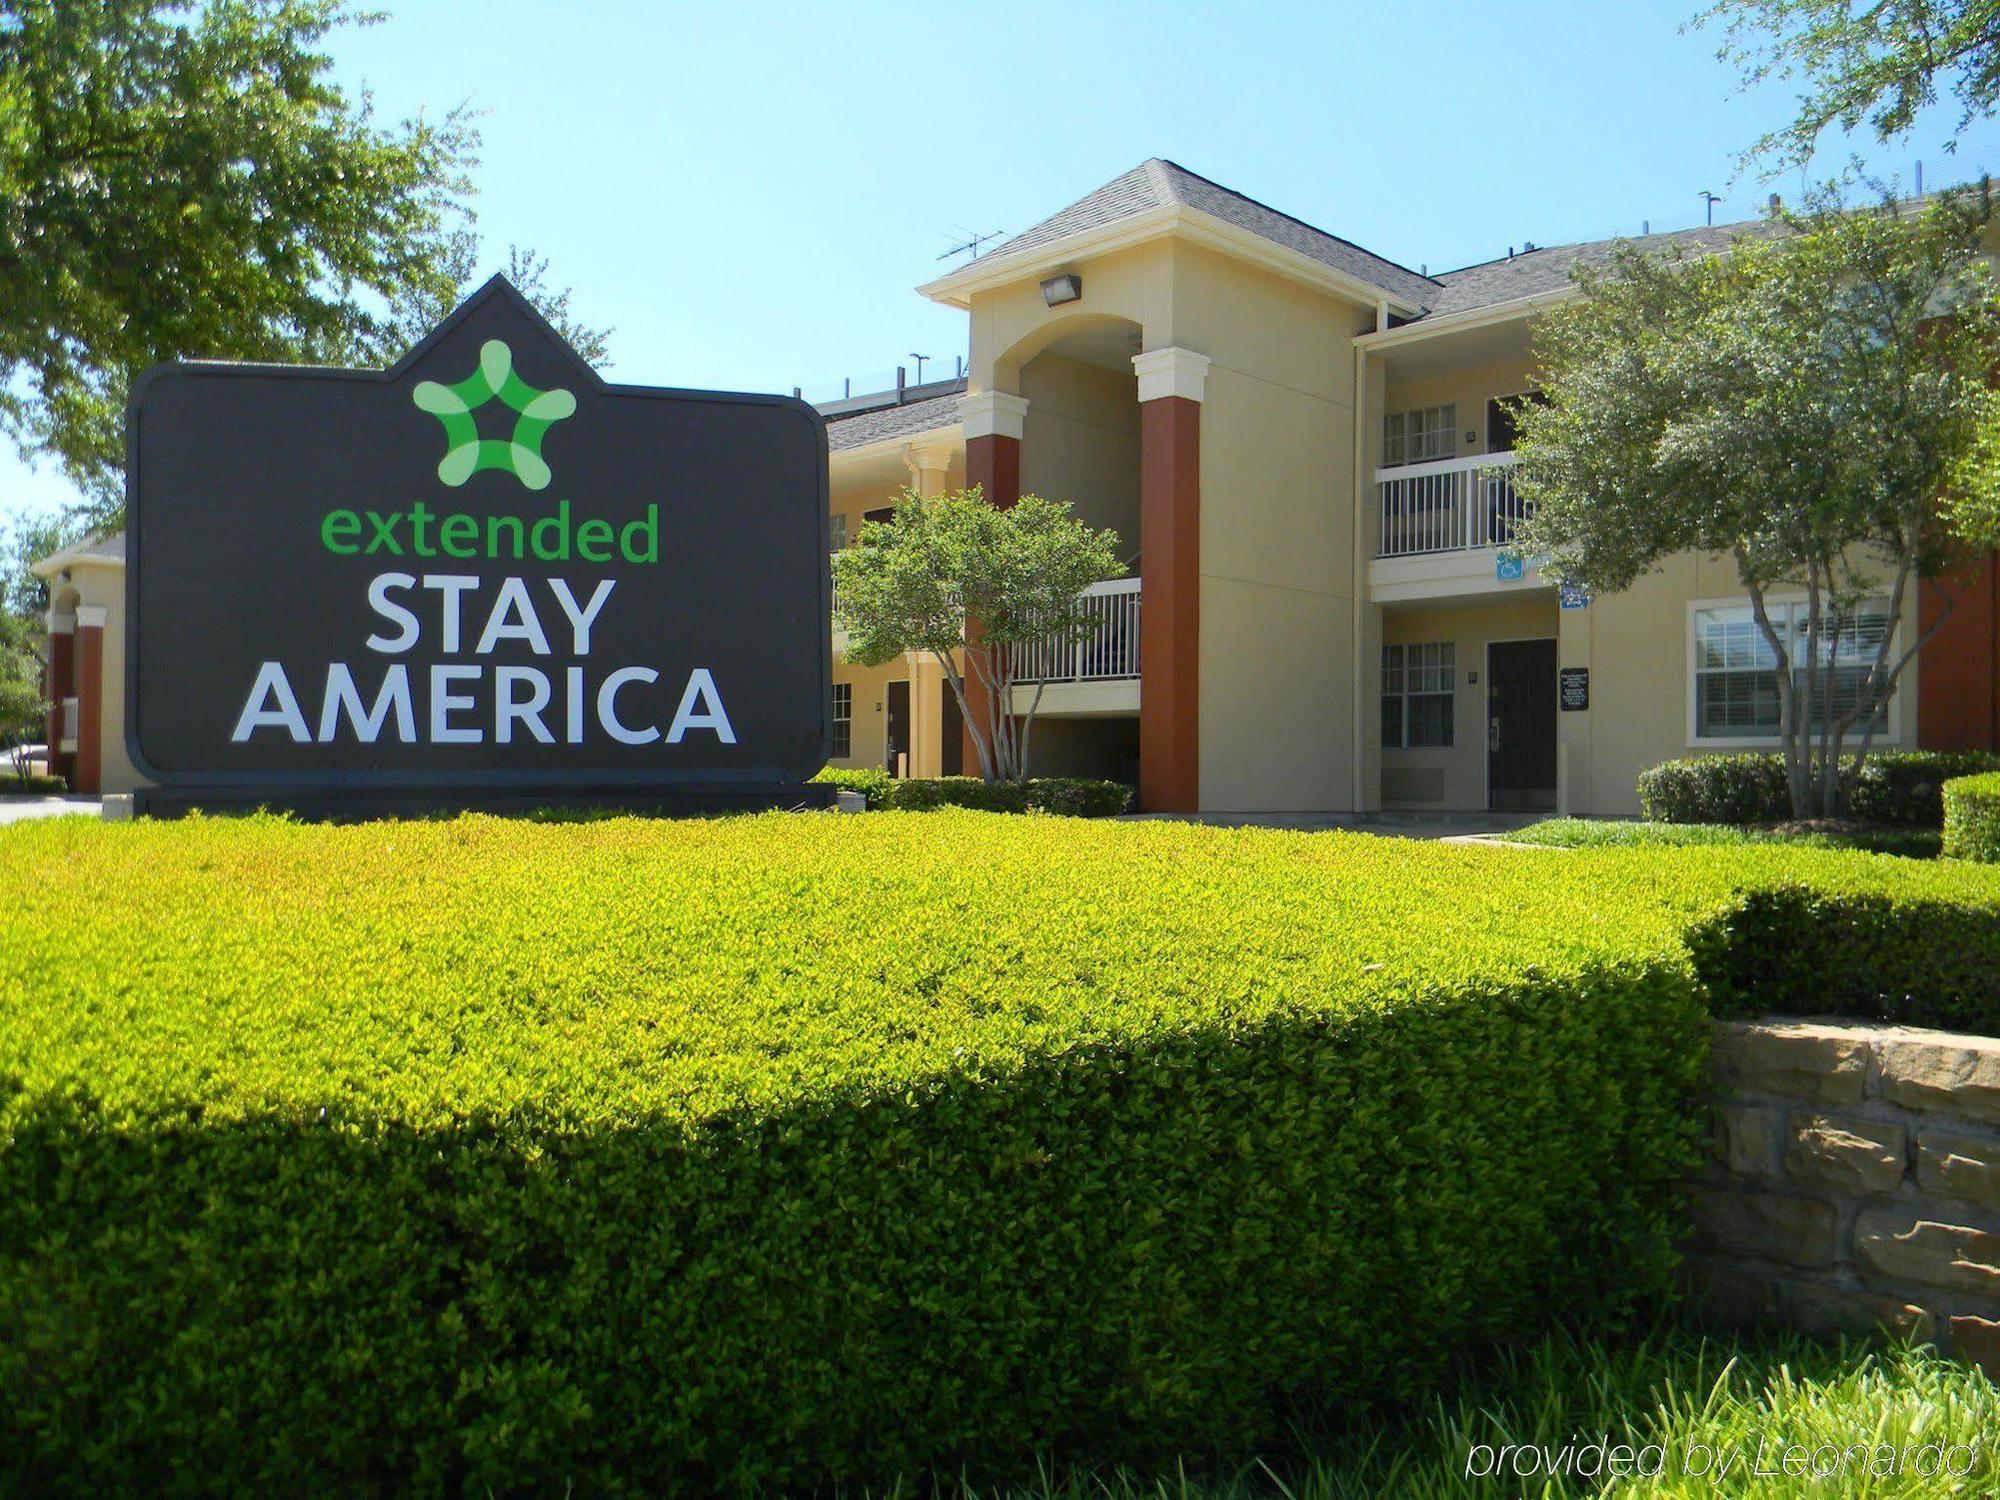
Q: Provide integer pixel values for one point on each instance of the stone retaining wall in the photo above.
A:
(1856, 1183)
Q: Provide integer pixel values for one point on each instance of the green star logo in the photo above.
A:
(535, 412)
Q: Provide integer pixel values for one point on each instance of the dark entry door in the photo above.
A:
(897, 734)
(952, 753)
(1521, 725)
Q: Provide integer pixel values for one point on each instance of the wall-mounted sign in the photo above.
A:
(1573, 689)
(1508, 568)
(1571, 597)
(484, 570)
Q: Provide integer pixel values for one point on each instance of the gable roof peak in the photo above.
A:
(1159, 183)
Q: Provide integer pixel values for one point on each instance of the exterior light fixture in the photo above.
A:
(1067, 287)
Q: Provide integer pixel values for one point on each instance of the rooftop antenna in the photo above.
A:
(1710, 199)
(919, 358)
(1920, 177)
(972, 243)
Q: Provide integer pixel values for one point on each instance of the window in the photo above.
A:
(1415, 437)
(1735, 671)
(836, 531)
(1417, 687)
(843, 720)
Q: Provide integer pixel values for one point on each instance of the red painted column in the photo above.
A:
(1958, 671)
(89, 699)
(994, 423)
(58, 683)
(1172, 383)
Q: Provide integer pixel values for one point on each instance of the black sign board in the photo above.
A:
(1574, 689)
(482, 570)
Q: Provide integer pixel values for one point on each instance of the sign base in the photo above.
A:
(555, 803)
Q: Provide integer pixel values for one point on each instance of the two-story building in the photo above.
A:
(1304, 449)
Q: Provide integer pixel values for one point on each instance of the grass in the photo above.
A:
(1701, 1417)
(1603, 833)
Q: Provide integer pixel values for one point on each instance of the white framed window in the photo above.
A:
(843, 720)
(1418, 695)
(1733, 673)
(1415, 437)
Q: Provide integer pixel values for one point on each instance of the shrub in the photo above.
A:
(1079, 796)
(644, 1157)
(37, 785)
(1071, 796)
(1972, 818)
(871, 781)
(1900, 787)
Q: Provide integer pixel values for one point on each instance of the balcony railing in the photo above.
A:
(1448, 506)
(1110, 650)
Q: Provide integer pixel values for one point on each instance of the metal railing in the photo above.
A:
(1110, 650)
(1451, 505)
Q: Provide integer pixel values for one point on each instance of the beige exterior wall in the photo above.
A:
(1469, 388)
(102, 585)
(1081, 442)
(1455, 778)
(1277, 538)
(1637, 646)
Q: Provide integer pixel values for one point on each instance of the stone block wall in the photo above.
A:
(1855, 1183)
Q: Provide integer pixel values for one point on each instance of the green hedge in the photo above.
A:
(1972, 818)
(645, 1157)
(35, 785)
(871, 781)
(1071, 796)
(1900, 787)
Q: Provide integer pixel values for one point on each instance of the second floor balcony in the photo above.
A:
(1450, 505)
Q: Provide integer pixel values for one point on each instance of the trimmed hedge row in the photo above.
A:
(1900, 787)
(647, 1157)
(686, 1157)
(1972, 818)
(1070, 796)
(35, 785)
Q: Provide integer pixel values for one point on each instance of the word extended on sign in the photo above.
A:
(521, 696)
(398, 533)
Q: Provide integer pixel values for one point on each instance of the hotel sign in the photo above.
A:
(482, 570)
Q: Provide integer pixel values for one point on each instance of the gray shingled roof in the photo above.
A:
(1156, 183)
(1547, 268)
(860, 428)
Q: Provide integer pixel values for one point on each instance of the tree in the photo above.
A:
(1799, 403)
(1877, 63)
(185, 180)
(973, 586)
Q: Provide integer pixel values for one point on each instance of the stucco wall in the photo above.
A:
(1277, 537)
(1469, 388)
(1636, 644)
(1459, 773)
(103, 586)
(1081, 443)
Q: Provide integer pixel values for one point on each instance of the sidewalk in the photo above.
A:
(20, 809)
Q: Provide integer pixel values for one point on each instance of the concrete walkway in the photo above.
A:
(20, 809)
(1467, 827)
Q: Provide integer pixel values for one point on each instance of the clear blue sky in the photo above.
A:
(747, 193)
